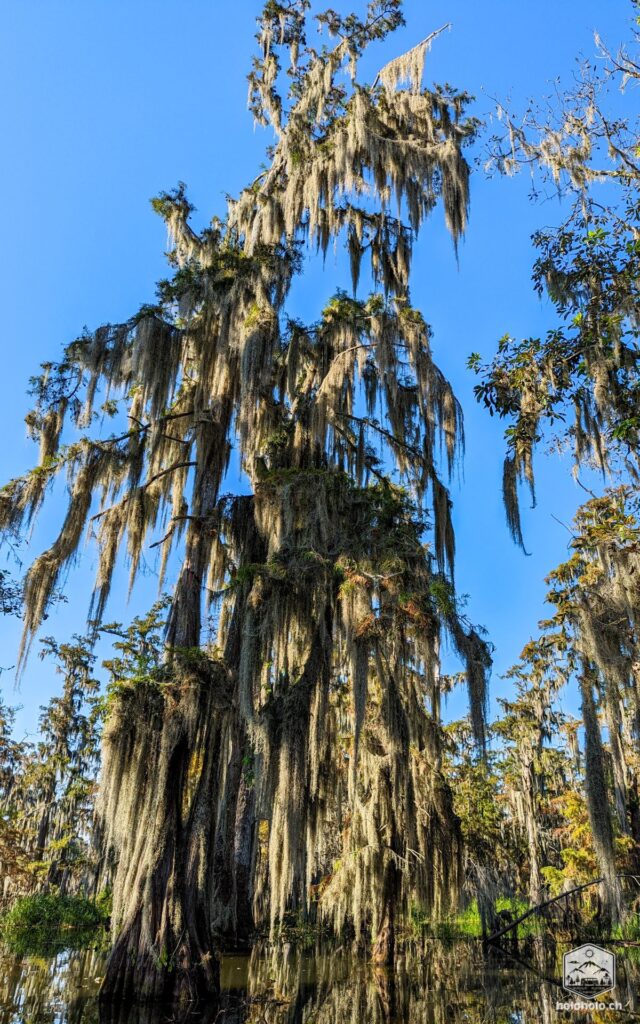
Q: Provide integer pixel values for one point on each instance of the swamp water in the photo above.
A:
(444, 983)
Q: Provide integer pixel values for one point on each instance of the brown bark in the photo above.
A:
(243, 858)
(164, 950)
(223, 867)
(384, 947)
(386, 989)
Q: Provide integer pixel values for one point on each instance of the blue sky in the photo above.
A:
(104, 104)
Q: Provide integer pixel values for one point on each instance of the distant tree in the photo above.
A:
(580, 386)
(581, 383)
(491, 851)
(14, 855)
(592, 637)
(67, 755)
(52, 793)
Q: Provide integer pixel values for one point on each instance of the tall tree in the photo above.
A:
(60, 777)
(592, 638)
(581, 383)
(14, 854)
(47, 787)
(298, 753)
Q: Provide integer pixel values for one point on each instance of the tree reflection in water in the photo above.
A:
(444, 983)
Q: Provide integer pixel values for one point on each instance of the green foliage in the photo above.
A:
(475, 785)
(47, 923)
(443, 595)
(47, 787)
(140, 657)
(468, 923)
(166, 202)
(104, 903)
(628, 930)
(10, 594)
(580, 384)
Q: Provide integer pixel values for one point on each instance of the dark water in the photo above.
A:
(443, 983)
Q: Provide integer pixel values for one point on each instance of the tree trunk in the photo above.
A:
(223, 906)
(531, 826)
(384, 947)
(386, 989)
(597, 797)
(164, 951)
(164, 805)
(243, 858)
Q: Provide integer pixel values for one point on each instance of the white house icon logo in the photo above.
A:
(588, 970)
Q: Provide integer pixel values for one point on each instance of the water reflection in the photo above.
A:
(50, 990)
(455, 983)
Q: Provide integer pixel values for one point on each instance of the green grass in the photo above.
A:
(628, 929)
(467, 925)
(47, 923)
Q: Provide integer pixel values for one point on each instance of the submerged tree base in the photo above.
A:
(149, 980)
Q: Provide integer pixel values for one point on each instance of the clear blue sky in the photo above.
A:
(106, 103)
